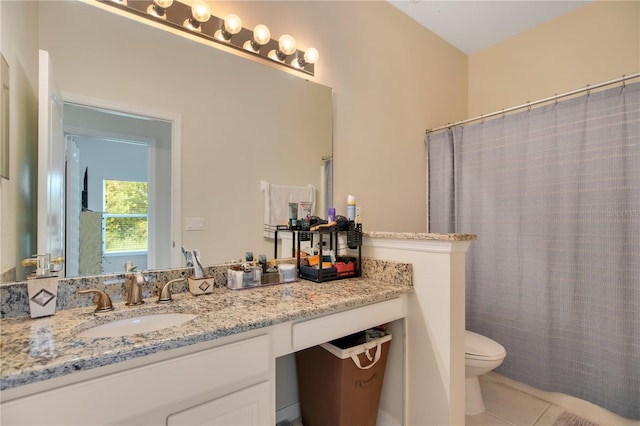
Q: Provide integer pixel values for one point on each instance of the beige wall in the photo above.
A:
(595, 43)
(390, 86)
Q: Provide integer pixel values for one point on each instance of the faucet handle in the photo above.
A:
(103, 301)
(165, 290)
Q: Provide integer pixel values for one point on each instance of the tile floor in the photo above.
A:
(507, 406)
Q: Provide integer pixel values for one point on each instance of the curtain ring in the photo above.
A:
(624, 82)
(503, 115)
(588, 91)
(529, 106)
(556, 98)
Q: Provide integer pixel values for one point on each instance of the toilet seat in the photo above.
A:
(480, 347)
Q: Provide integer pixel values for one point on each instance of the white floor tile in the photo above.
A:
(550, 416)
(485, 419)
(513, 406)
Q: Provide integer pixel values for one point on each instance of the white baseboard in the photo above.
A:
(386, 419)
(290, 412)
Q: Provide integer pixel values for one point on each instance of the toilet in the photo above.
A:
(481, 356)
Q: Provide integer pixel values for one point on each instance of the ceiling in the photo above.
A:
(473, 25)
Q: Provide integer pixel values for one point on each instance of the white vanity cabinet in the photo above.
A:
(225, 385)
(226, 381)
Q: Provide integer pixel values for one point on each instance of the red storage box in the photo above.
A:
(345, 269)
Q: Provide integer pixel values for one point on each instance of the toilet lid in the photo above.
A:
(481, 347)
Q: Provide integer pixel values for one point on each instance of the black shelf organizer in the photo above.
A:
(347, 266)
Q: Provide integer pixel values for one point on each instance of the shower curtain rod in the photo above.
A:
(530, 104)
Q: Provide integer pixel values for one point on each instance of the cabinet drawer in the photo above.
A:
(247, 407)
(320, 330)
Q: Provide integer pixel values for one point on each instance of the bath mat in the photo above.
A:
(569, 419)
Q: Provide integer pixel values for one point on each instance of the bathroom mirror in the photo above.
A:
(240, 121)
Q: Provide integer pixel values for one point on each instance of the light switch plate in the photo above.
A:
(195, 223)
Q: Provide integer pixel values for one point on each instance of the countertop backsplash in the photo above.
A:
(14, 301)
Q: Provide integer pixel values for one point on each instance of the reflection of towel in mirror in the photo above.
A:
(276, 203)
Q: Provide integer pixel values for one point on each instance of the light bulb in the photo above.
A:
(311, 55)
(163, 3)
(287, 44)
(158, 8)
(232, 23)
(261, 34)
(200, 11)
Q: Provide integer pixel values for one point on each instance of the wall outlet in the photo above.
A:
(359, 212)
(194, 223)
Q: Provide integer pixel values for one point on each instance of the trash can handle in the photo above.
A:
(356, 360)
(361, 383)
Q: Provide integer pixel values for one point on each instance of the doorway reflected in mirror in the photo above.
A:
(116, 163)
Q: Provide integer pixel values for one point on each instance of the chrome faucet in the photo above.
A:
(133, 289)
(44, 265)
(164, 290)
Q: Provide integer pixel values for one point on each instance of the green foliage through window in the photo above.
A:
(125, 218)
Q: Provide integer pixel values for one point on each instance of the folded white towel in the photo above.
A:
(276, 203)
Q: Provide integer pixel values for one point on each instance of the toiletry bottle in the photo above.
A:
(351, 207)
(293, 215)
(331, 215)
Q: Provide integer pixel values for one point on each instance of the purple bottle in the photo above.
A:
(331, 216)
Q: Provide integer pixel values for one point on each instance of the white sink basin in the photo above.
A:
(135, 325)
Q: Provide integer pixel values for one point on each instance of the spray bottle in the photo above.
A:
(351, 207)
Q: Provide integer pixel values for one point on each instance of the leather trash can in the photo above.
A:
(339, 383)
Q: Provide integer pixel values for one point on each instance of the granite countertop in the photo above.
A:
(420, 236)
(33, 350)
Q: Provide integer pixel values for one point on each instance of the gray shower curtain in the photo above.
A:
(553, 194)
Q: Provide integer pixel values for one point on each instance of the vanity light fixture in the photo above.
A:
(159, 8)
(261, 36)
(230, 26)
(200, 13)
(197, 20)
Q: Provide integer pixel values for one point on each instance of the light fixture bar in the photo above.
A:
(176, 14)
